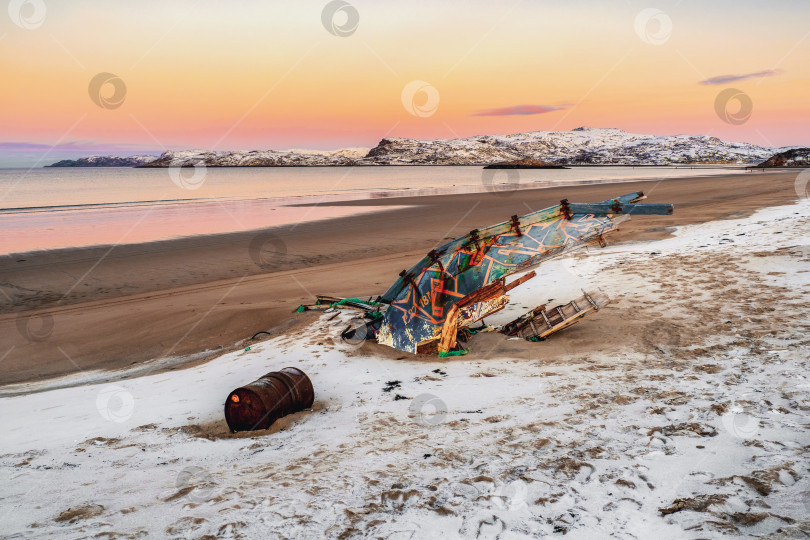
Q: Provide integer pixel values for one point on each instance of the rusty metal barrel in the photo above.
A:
(258, 404)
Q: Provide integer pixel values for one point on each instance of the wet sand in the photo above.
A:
(107, 308)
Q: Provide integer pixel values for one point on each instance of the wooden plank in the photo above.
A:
(470, 314)
(488, 292)
(521, 280)
(449, 330)
(559, 317)
(323, 299)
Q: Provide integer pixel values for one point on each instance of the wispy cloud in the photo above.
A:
(519, 110)
(725, 79)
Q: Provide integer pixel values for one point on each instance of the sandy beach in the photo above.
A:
(69, 311)
(678, 411)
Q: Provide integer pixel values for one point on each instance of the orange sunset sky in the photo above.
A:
(270, 74)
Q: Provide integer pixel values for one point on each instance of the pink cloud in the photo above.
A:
(519, 110)
(725, 79)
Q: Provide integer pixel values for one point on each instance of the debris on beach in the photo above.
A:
(431, 308)
(262, 402)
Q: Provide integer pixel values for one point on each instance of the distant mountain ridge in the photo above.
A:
(261, 158)
(105, 161)
(581, 146)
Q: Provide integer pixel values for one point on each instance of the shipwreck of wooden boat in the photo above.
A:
(432, 306)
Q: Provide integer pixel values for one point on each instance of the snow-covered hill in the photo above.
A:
(579, 146)
(104, 161)
(260, 158)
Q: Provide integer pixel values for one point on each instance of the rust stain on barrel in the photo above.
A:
(258, 404)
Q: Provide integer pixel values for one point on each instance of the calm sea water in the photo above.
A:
(61, 207)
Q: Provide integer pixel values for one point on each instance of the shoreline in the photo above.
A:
(103, 308)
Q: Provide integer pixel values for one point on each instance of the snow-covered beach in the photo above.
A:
(680, 411)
